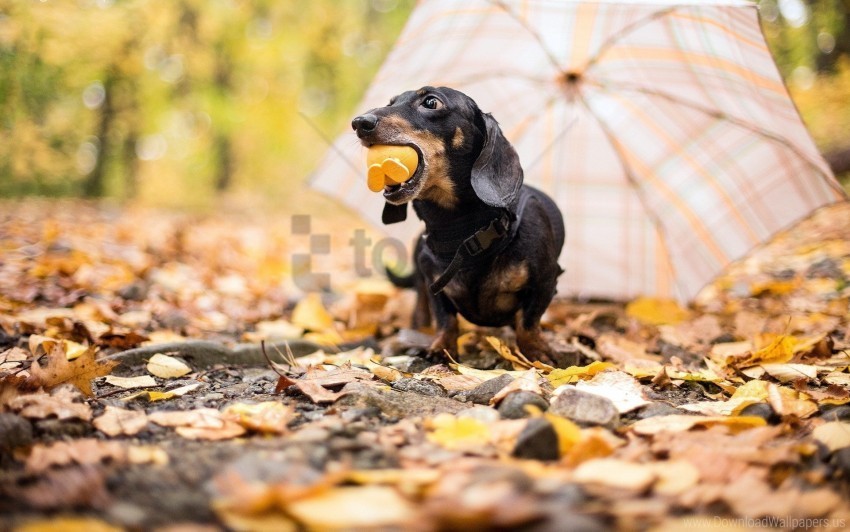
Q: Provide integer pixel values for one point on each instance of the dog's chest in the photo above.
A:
(491, 291)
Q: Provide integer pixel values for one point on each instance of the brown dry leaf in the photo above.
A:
(269, 417)
(199, 424)
(353, 507)
(594, 442)
(69, 488)
(316, 392)
(119, 421)
(677, 423)
(750, 393)
(674, 477)
(12, 358)
(517, 359)
(85, 451)
(60, 403)
(791, 372)
(78, 372)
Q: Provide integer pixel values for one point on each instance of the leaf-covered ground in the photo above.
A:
(135, 392)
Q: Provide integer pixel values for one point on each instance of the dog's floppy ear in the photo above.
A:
(496, 174)
(394, 213)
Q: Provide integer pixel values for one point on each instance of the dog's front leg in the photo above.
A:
(445, 312)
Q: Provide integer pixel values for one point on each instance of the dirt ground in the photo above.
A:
(731, 413)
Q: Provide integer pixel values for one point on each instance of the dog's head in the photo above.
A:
(461, 150)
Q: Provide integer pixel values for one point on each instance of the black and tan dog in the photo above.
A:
(491, 245)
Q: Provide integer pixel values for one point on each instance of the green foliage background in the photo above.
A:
(178, 102)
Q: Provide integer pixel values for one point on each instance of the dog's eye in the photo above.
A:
(432, 103)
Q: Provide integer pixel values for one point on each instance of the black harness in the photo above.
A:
(457, 249)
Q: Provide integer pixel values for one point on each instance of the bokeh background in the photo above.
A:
(191, 103)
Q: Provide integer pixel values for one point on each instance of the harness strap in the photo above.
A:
(479, 242)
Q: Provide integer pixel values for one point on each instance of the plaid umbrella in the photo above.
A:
(661, 128)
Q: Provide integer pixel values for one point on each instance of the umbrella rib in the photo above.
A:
(728, 118)
(656, 222)
(524, 24)
(614, 39)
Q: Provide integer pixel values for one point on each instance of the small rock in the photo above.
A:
(537, 441)
(174, 319)
(15, 432)
(762, 410)
(355, 414)
(585, 408)
(136, 291)
(420, 386)
(127, 514)
(485, 359)
(657, 409)
(839, 413)
(485, 414)
(484, 392)
(214, 396)
(513, 405)
(397, 404)
(53, 428)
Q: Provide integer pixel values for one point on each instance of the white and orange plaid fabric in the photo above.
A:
(662, 129)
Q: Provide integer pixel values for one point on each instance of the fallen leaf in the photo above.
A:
(787, 402)
(458, 434)
(67, 523)
(142, 381)
(834, 435)
(791, 372)
(558, 377)
(569, 434)
(167, 367)
(78, 372)
(119, 421)
(269, 417)
(619, 387)
(85, 451)
(655, 311)
(199, 424)
(594, 442)
(517, 359)
(60, 403)
(310, 314)
(681, 423)
(617, 474)
(353, 507)
(153, 396)
(674, 477)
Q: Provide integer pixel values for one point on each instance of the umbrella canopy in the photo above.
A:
(662, 129)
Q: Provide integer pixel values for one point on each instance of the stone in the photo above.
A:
(420, 386)
(839, 413)
(484, 392)
(537, 441)
(15, 432)
(762, 410)
(513, 405)
(657, 409)
(585, 408)
(397, 404)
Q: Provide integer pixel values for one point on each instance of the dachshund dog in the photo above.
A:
(491, 244)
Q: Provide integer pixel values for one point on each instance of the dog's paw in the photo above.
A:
(534, 347)
(443, 345)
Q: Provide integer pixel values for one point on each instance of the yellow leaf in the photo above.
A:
(353, 508)
(310, 314)
(677, 423)
(517, 359)
(568, 432)
(655, 311)
(161, 396)
(596, 442)
(573, 374)
(457, 434)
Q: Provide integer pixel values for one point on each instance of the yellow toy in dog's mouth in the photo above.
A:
(390, 165)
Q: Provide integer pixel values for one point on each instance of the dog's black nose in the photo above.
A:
(364, 123)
